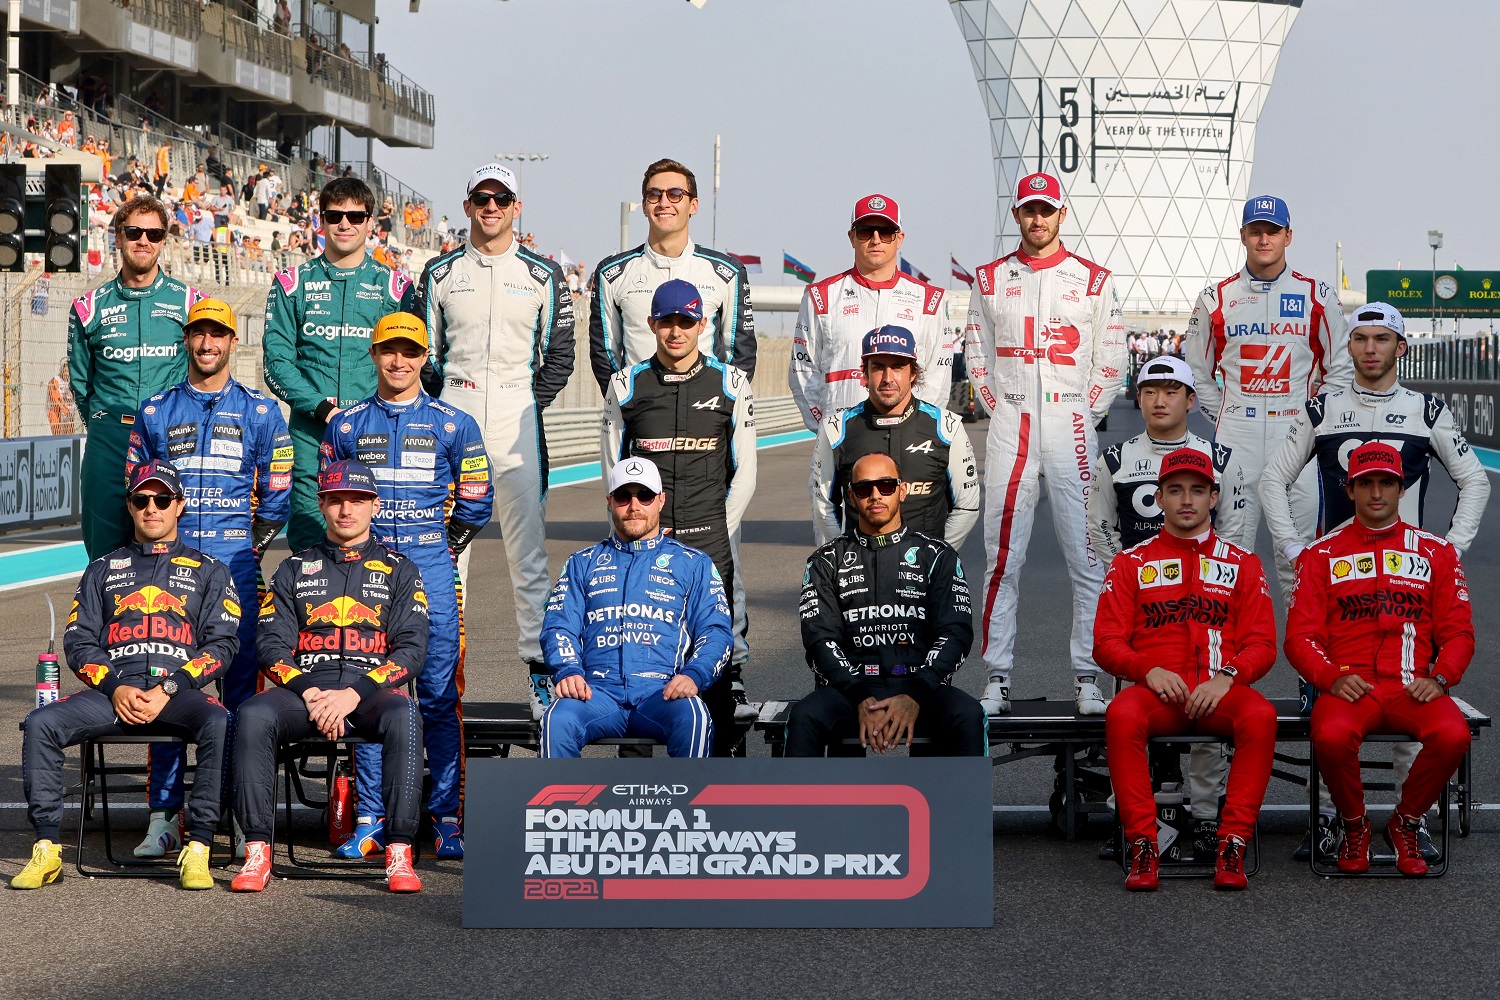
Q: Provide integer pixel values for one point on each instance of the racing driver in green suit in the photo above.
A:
(317, 341)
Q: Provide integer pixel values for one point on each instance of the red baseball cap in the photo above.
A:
(877, 206)
(1039, 187)
(1185, 460)
(1373, 457)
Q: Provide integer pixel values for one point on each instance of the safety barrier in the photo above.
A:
(1459, 360)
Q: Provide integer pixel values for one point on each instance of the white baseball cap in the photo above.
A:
(1166, 368)
(635, 470)
(1381, 314)
(495, 172)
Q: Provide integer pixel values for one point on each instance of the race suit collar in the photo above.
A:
(1367, 534)
(667, 375)
(346, 553)
(639, 545)
(1262, 284)
(891, 419)
(156, 548)
(662, 260)
(345, 272)
(491, 259)
(1042, 263)
(409, 406)
(860, 279)
(880, 541)
(1372, 397)
(145, 291)
(209, 397)
(1201, 543)
(1164, 446)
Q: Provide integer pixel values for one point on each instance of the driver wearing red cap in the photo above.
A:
(1380, 623)
(1187, 616)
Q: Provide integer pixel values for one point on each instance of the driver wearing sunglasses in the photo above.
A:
(636, 627)
(319, 319)
(124, 346)
(826, 372)
(886, 622)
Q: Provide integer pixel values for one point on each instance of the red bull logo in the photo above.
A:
(200, 665)
(388, 672)
(150, 627)
(93, 673)
(150, 600)
(282, 673)
(344, 640)
(343, 612)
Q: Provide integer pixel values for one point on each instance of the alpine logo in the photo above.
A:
(707, 404)
(1266, 369)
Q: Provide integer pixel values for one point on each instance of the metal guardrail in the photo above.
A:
(573, 435)
(1468, 359)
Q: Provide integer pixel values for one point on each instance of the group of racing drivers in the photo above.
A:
(416, 419)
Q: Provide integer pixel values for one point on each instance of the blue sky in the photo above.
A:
(1377, 128)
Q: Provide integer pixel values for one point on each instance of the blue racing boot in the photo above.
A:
(368, 838)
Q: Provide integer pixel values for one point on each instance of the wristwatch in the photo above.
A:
(169, 687)
(1231, 672)
(1442, 682)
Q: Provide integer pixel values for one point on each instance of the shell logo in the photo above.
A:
(1148, 574)
(1342, 568)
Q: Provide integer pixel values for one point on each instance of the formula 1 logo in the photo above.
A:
(1266, 369)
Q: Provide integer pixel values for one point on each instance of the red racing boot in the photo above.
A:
(1401, 834)
(256, 871)
(1354, 849)
(399, 874)
(1229, 873)
(1144, 865)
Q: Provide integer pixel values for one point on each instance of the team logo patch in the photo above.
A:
(1408, 565)
(1216, 573)
(877, 203)
(1038, 183)
(1360, 566)
(1160, 573)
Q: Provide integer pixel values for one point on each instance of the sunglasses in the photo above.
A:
(140, 501)
(864, 488)
(625, 494)
(674, 195)
(479, 199)
(337, 215)
(154, 234)
(885, 234)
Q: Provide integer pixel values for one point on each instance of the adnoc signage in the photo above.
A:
(659, 842)
(1459, 293)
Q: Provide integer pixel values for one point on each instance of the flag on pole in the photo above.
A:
(751, 262)
(907, 268)
(791, 265)
(959, 272)
(565, 260)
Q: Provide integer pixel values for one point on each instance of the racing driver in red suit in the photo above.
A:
(1380, 624)
(1187, 616)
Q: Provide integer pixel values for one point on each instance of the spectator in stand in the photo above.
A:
(201, 233)
(67, 130)
(163, 166)
(221, 204)
(314, 54)
(385, 220)
(296, 242)
(281, 21)
(263, 191)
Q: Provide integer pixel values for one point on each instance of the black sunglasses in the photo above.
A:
(337, 215)
(864, 488)
(479, 199)
(886, 233)
(140, 501)
(674, 195)
(625, 494)
(154, 234)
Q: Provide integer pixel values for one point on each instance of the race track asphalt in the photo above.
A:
(1063, 924)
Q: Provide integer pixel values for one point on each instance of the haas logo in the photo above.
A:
(1266, 369)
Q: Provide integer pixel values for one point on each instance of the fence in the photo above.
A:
(1468, 359)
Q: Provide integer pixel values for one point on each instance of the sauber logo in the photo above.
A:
(1266, 369)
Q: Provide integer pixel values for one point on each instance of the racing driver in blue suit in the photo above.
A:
(636, 626)
(426, 456)
(230, 445)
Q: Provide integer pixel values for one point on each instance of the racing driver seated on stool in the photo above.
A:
(886, 621)
(1187, 617)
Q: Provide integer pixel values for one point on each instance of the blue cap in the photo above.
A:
(677, 298)
(347, 476)
(157, 471)
(1267, 208)
(896, 340)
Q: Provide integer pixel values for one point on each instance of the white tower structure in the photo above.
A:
(1146, 110)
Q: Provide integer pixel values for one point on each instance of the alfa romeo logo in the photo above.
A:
(1039, 183)
(877, 203)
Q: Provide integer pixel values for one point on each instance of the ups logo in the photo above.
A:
(1172, 570)
(1366, 563)
(1393, 561)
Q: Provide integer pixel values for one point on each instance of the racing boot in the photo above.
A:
(237, 836)
(1206, 845)
(1326, 838)
(192, 867)
(399, 874)
(1430, 852)
(163, 835)
(1401, 835)
(447, 837)
(1090, 699)
(743, 710)
(256, 871)
(44, 868)
(540, 694)
(1354, 850)
(996, 700)
(367, 838)
(1229, 872)
(1144, 866)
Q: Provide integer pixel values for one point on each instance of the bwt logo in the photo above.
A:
(577, 794)
(1294, 305)
(1266, 369)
